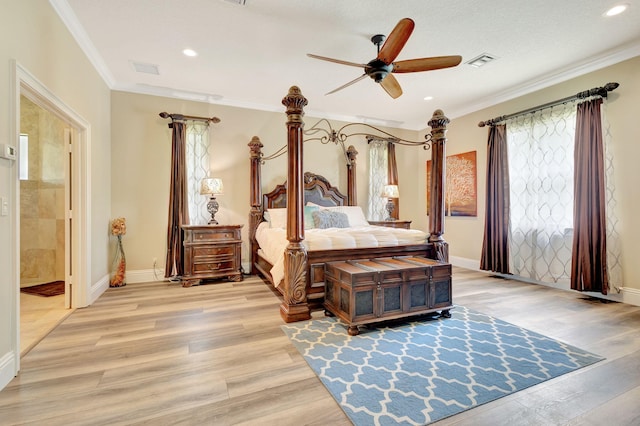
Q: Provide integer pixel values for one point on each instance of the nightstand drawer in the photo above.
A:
(406, 224)
(215, 235)
(208, 251)
(216, 267)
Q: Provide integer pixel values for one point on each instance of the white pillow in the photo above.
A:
(354, 213)
(277, 218)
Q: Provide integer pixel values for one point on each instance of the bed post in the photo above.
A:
(295, 307)
(352, 196)
(255, 194)
(438, 124)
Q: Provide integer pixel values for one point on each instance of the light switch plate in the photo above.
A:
(8, 151)
(4, 206)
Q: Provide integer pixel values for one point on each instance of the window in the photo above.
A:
(23, 164)
(378, 169)
(197, 159)
(540, 148)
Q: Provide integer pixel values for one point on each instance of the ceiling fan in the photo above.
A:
(382, 68)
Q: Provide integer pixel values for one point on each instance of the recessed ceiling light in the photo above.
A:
(190, 52)
(616, 10)
(428, 98)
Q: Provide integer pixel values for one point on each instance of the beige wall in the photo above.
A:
(33, 36)
(465, 234)
(141, 142)
(141, 152)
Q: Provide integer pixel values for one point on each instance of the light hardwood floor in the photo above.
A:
(160, 354)
(38, 316)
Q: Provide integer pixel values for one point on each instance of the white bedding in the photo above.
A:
(273, 241)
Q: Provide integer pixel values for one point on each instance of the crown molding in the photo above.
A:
(70, 20)
(610, 57)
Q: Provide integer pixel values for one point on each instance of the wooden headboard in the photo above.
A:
(317, 190)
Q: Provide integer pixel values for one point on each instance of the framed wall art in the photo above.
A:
(461, 188)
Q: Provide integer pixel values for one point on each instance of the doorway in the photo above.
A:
(78, 290)
(44, 186)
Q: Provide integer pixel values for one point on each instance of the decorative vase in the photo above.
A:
(119, 266)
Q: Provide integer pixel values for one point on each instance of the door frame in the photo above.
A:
(78, 287)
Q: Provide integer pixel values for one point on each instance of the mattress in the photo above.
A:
(273, 241)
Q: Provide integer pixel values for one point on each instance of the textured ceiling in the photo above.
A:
(249, 55)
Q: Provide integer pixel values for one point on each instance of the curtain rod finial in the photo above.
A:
(481, 124)
(164, 114)
(611, 86)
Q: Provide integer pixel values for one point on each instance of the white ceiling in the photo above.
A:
(249, 55)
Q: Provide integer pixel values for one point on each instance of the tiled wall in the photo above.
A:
(42, 198)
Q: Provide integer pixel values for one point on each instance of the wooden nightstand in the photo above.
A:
(211, 251)
(406, 224)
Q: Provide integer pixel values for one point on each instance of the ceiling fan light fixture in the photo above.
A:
(481, 60)
(382, 68)
(190, 53)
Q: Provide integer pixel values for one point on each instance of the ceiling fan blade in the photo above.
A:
(396, 40)
(391, 86)
(426, 64)
(337, 61)
(347, 85)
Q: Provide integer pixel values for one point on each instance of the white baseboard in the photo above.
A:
(465, 263)
(8, 369)
(145, 276)
(149, 275)
(97, 289)
(629, 296)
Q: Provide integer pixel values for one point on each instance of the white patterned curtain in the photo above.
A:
(541, 158)
(378, 170)
(197, 159)
(614, 251)
(540, 148)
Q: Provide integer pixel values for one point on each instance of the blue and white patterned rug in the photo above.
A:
(418, 372)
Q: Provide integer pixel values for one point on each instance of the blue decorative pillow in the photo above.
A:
(308, 216)
(323, 219)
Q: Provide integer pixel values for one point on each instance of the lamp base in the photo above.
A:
(390, 208)
(212, 208)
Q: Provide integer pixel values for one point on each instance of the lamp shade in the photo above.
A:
(390, 191)
(211, 186)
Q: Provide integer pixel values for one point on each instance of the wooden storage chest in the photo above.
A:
(366, 291)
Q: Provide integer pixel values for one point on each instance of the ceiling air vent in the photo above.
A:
(481, 60)
(145, 68)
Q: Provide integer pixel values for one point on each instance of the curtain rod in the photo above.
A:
(596, 91)
(181, 117)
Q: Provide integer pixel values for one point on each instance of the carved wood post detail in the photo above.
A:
(255, 195)
(295, 307)
(352, 196)
(438, 124)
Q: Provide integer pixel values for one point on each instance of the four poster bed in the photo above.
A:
(298, 271)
